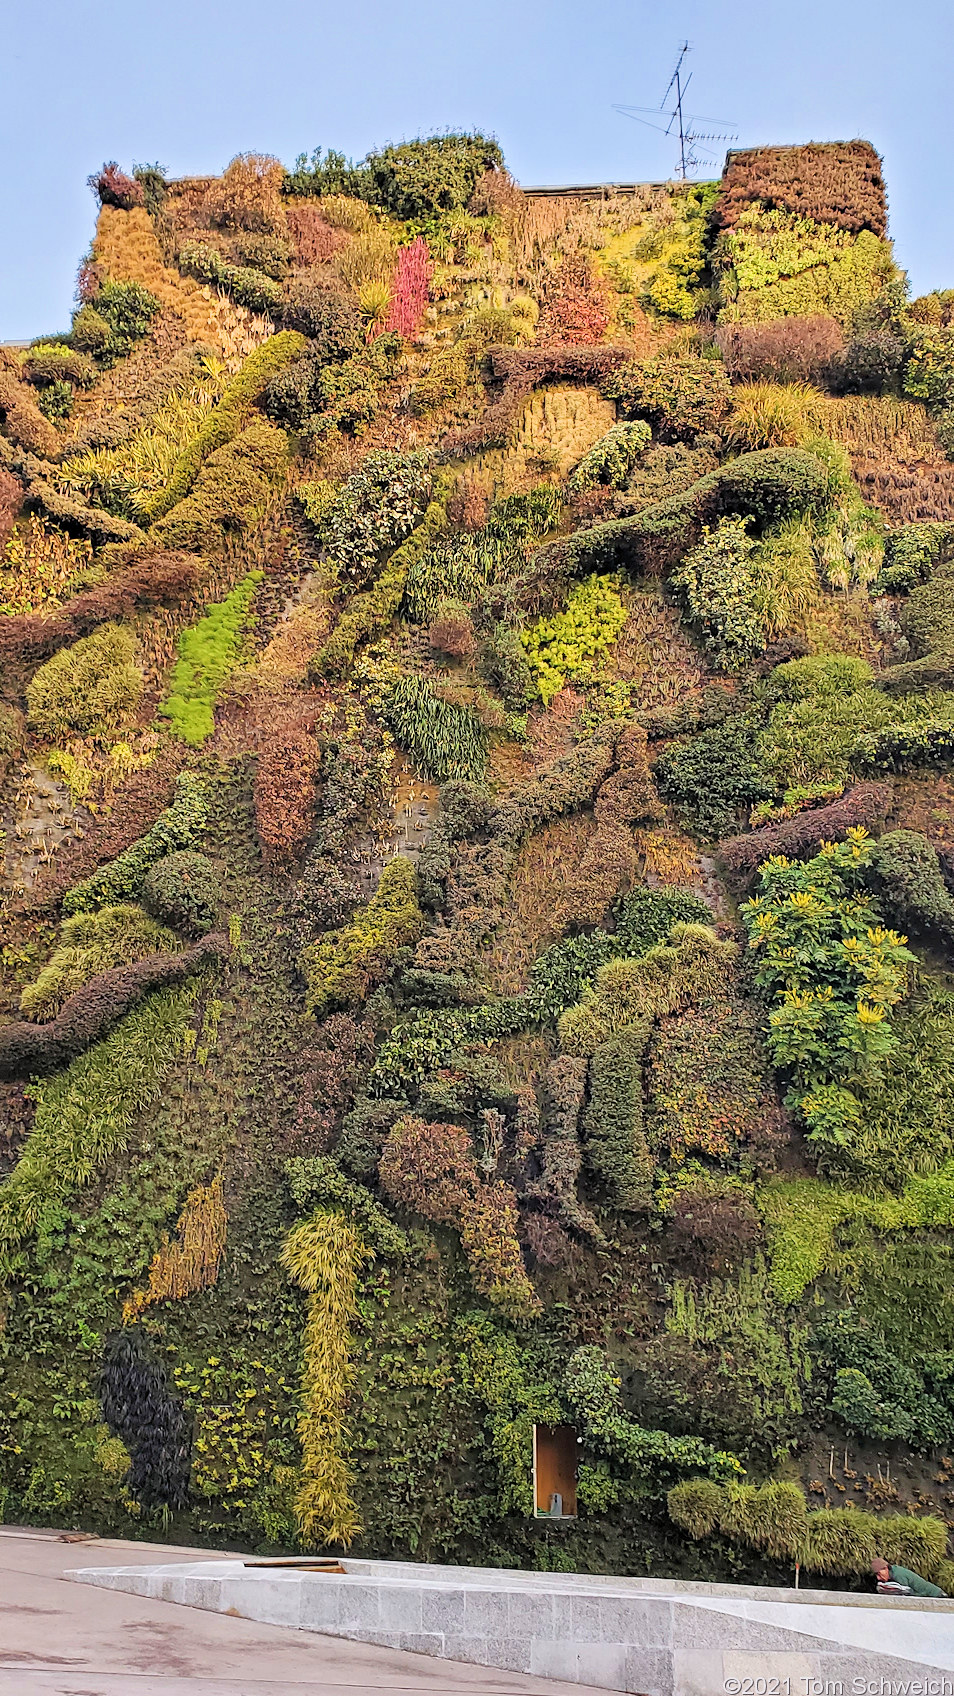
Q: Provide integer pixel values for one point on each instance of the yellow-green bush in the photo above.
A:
(208, 654)
(693, 964)
(774, 264)
(90, 689)
(339, 968)
(232, 489)
(324, 1255)
(91, 943)
(564, 647)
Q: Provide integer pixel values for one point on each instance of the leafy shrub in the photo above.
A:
(139, 1407)
(787, 350)
(248, 195)
(55, 401)
(112, 187)
(437, 174)
(929, 373)
(326, 315)
(911, 552)
(875, 1393)
(716, 777)
(183, 890)
(91, 688)
(91, 943)
(248, 286)
(339, 968)
(563, 648)
(830, 1022)
(126, 311)
(208, 653)
(910, 884)
(680, 394)
(24, 422)
(451, 632)
(693, 964)
(431, 1169)
(773, 263)
(233, 489)
(610, 460)
(865, 806)
(837, 182)
(179, 826)
(28, 1049)
(231, 415)
(614, 1147)
(443, 739)
(48, 363)
(717, 583)
(379, 505)
(871, 363)
(592, 1389)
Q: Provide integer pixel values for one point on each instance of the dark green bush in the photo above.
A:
(183, 890)
(680, 394)
(717, 777)
(911, 551)
(646, 916)
(119, 316)
(910, 885)
(248, 286)
(928, 617)
(615, 1150)
(379, 505)
(436, 174)
(327, 315)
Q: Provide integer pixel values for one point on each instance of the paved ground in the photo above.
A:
(65, 1639)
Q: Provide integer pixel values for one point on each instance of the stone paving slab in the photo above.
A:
(635, 1635)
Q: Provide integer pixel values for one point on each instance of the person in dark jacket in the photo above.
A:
(899, 1581)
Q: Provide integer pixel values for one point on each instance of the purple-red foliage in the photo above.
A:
(312, 237)
(114, 188)
(88, 283)
(838, 182)
(156, 579)
(410, 289)
(866, 805)
(784, 350)
(26, 1049)
(331, 1069)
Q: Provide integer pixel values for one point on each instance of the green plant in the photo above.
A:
(235, 487)
(614, 1146)
(681, 395)
(833, 973)
(563, 648)
(444, 740)
(93, 687)
(208, 653)
(182, 890)
(324, 1256)
(179, 826)
(90, 943)
(341, 967)
(377, 508)
(718, 584)
(717, 776)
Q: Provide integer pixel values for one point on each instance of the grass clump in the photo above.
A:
(208, 654)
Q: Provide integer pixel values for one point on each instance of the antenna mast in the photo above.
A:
(680, 120)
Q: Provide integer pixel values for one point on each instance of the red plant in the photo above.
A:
(114, 188)
(575, 303)
(837, 182)
(312, 237)
(88, 282)
(286, 794)
(410, 288)
(865, 805)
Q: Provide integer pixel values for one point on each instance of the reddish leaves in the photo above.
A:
(837, 182)
(286, 794)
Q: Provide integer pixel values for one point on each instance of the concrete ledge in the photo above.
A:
(655, 1637)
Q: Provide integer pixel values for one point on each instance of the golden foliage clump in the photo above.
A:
(248, 195)
(191, 1261)
(323, 1255)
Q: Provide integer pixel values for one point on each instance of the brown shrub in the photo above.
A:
(838, 182)
(156, 579)
(331, 1068)
(112, 187)
(248, 195)
(452, 632)
(25, 424)
(286, 794)
(312, 237)
(496, 195)
(864, 805)
(714, 1227)
(575, 303)
(626, 798)
(134, 811)
(26, 1048)
(784, 350)
(11, 500)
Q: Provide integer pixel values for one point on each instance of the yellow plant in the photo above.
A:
(368, 259)
(374, 299)
(191, 1261)
(132, 474)
(773, 415)
(324, 1255)
(37, 565)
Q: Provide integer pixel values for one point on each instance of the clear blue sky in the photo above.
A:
(192, 82)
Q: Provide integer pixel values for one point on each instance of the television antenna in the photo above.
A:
(680, 121)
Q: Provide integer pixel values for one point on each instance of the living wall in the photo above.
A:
(478, 870)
